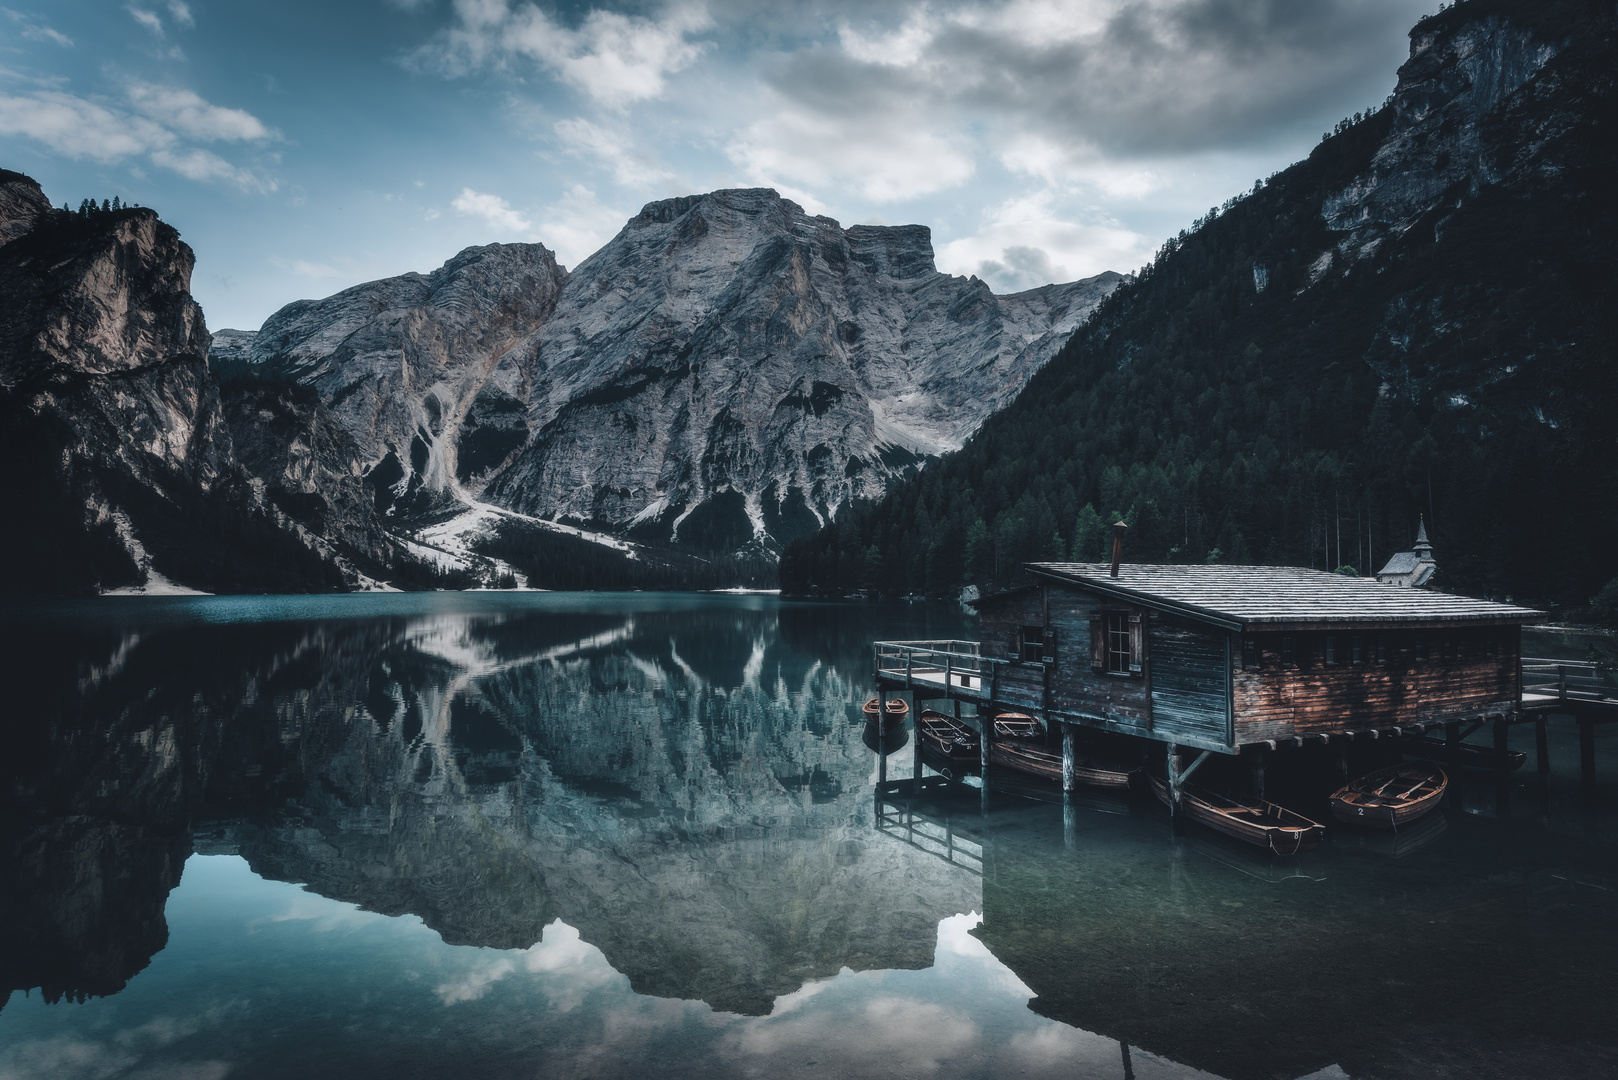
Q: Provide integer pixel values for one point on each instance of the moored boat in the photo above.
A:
(892, 713)
(1016, 725)
(1031, 757)
(948, 736)
(1262, 824)
(1391, 797)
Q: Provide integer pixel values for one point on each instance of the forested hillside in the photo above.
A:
(1416, 320)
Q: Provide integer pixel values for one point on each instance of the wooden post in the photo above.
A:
(985, 733)
(1261, 761)
(1502, 781)
(1587, 755)
(1342, 757)
(1542, 754)
(1129, 1070)
(1176, 808)
(1067, 758)
(1452, 743)
(915, 733)
(881, 737)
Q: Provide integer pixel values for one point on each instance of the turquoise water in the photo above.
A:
(641, 834)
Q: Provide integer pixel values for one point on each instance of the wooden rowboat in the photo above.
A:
(1028, 757)
(1473, 756)
(1016, 725)
(1392, 797)
(1262, 824)
(948, 736)
(895, 712)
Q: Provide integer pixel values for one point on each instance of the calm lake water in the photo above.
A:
(603, 835)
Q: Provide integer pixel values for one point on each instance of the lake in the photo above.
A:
(604, 835)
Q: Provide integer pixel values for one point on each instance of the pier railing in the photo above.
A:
(952, 661)
(1569, 680)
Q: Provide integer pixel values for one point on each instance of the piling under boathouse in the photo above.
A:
(1222, 659)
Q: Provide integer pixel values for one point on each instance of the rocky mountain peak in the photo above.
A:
(22, 203)
(728, 370)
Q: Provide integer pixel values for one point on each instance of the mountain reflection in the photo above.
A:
(683, 787)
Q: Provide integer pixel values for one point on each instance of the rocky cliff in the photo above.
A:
(119, 458)
(724, 373)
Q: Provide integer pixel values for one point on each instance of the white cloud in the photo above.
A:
(158, 130)
(495, 211)
(885, 158)
(631, 165)
(613, 58)
(180, 12)
(199, 164)
(148, 19)
(578, 224)
(37, 30)
(183, 111)
(1026, 242)
(76, 128)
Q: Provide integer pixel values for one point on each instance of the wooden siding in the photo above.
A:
(1001, 619)
(1466, 671)
(1077, 689)
(1190, 680)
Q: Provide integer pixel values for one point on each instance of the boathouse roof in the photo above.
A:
(1275, 597)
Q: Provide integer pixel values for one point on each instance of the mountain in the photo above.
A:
(1414, 321)
(120, 468)
(724, 374)
(729, 368)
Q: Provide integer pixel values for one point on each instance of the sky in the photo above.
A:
(303, 146)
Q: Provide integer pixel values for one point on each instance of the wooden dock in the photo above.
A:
(957, 671)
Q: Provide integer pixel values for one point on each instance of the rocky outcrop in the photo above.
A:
(416, 369)
(1436, 147)
(725, 373)
(111, 423)
(730, 369)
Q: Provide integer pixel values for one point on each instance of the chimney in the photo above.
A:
(1118, 530)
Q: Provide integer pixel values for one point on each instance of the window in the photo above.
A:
(1331, 648)
(1119, 652)
(1118, 642)
(1287, 657)
(1250, 653)
(1359, 649)
(1421, 648)
(1033, 643)
(1382, 648)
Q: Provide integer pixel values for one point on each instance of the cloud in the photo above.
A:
(148, 19)
(495, 211)
(185, 112)
(614, 59)
(76, 128)
(163, 120)
(885, 158)
(33, 30)
(1025, 242)
(180, 12)
(578, 224)
(630, 163)
(1132, 76)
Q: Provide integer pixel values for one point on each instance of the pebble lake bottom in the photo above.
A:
(604, 835)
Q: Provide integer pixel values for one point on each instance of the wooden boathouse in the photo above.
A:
(1221, 659)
